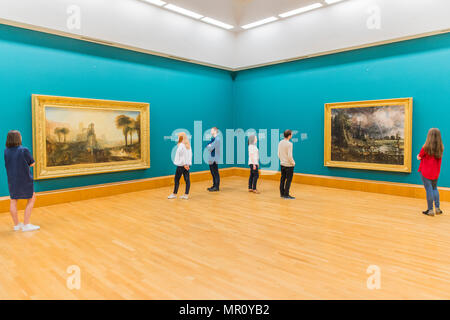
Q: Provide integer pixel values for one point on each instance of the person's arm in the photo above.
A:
(209, 146)
(290, 156)
(252, 154)
(213, 145)
(182, 149)
(28, 158)
(256, 158)
(188, 159)
(178, 155)
(421, 154)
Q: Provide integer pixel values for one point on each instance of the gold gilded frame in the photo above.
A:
(41, 171)
(405, 167)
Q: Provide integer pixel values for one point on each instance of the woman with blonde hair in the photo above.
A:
(183, 161)
(430, 167)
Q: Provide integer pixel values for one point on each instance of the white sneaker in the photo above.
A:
(18, 227)
(30, 227)
(172, 196)
(185, 197)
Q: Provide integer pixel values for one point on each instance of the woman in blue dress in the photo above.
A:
(18, 161)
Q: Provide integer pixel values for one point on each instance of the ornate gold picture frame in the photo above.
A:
(76, 136)
(371, 135)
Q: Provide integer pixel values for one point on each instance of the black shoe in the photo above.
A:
(210, 188)
(439, 211)
(213, 189)
(429, 213)
(282, 196)
(289, 197)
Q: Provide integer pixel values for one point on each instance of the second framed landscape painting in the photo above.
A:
(76, 136)
(371, 135)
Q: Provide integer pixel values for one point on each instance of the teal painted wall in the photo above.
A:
(178, 93)
(292, 95)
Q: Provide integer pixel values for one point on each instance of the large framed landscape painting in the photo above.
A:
(76, 136)
(371, 135)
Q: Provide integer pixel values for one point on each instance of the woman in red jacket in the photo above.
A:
(430, 166)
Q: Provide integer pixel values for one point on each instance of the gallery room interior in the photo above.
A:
(225, 149)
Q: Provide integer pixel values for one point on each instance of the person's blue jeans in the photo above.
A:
(432, 192)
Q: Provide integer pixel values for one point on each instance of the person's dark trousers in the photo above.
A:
(286, 178)
(254, 175)
(181, 171)
(214, 168)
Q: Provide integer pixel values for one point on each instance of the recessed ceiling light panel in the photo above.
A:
(332, 1)
(301, 10)
(259, 23)
(217, 23)
(158, 3)
(184, 11)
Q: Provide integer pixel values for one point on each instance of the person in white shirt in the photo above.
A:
(287, 165)
(253, 162)
(183, 161)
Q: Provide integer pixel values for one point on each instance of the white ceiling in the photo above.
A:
(135, 25)
(241, 12)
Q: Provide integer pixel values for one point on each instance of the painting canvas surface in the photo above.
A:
(369, 134)
(80, 136)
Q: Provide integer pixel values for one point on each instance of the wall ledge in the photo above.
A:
(374, 186)
(47, 198)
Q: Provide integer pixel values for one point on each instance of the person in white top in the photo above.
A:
(183, 161)
(287, 165)
(253, 162)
